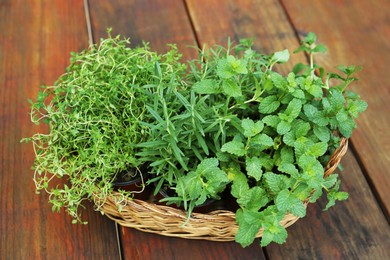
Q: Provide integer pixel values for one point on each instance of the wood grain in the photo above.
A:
(349, 228)
(175, 27)
(263, 20)
(354, 229)
(159, 22)
(35, 41)
(357, 32)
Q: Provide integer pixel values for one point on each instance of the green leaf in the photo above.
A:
(246, 230)
(283, 127)
(269, 105)
(271, 120)
(289, 138)
(262, 139)
(253, 167)
(322, 133)
(318, 149)
(281, 56)
(274, 233)
(253, 199)
(239, 184)
(315, 90)
(355, 107)
(251, 128)
(346, 128)
(234, 147)
(224, 70)
(293, 109)
(310, 111)
(279, 81)
(336, 99)
(300, 128)
(231, 88)
(276, 182)
(342, 116)
(330, 181)
(206, 86)
(288, 168)
(320, 118)
(320, 48)
(285, 201)
(334, 196)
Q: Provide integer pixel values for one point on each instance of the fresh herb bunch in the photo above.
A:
(266, 134)
(94, 112)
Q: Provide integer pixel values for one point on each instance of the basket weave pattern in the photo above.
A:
(218, 225)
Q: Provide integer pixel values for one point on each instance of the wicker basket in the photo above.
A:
(219, 225)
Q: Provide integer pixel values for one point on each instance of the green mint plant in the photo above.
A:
(94, 113)
(237, 122)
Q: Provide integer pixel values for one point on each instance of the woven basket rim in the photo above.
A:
(218, 225)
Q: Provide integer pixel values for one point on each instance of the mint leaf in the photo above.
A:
(240, 184)
(271, 120)
(336, 99)
(289, 138)
(334, 196)
(276, 182)
(246, 230)
(224, 70)
(251, 128)
(355, 107)
(293, 109)
(288, 168)
(253, 167)
(346, 128)
(322, 133)
(283, 127)
(234, 147)
(318, 149)
(342, 116)
(281, 56)
(278, 80)
(273, 233)
(262, 139)
(269, 105)
(300, 128)
(253, 199)
(231, 88)
(229, 67)
(206, 86)
(315, 90)
(287, 202)
(310, 111)
(320, 118)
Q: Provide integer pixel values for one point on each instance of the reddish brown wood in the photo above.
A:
(354, 229)
(159, 22)
(348, 229)
(357, 32)
(140, 245)
(264, 20)
(35, 41)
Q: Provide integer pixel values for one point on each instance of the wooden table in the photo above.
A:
(36, 38)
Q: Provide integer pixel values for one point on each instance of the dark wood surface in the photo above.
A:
(35, 40)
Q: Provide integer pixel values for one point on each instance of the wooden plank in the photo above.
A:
(160, 22)
(352, 223)
(354, 229)
(140, 245)
(357, 32)
(215, 20)
(35, 41)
